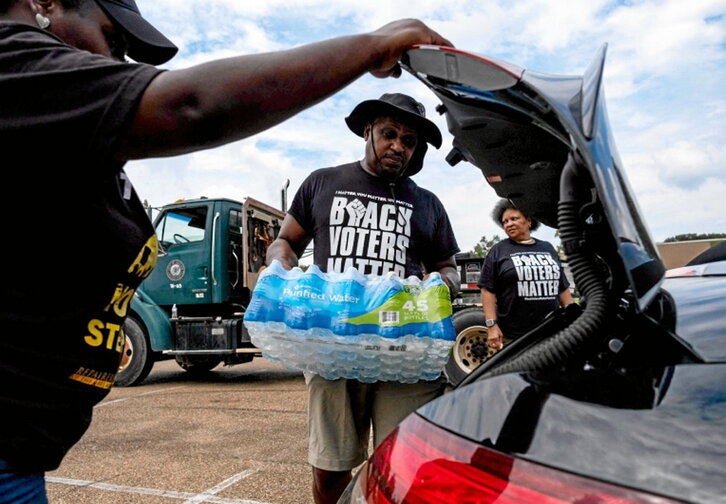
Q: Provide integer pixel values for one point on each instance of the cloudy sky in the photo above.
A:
(664, 85)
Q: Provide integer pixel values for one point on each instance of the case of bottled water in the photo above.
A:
(350, 325)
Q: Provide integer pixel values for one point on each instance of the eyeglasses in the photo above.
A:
(390, 133)
(409, 141)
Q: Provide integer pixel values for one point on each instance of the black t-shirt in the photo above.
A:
(77, 241)
(361, 221)
(527, 281)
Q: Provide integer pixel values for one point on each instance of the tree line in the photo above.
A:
(484, 244)
(694, 236)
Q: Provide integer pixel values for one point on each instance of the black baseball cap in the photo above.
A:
(146, 43)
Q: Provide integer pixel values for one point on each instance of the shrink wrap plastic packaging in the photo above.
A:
(350, 325)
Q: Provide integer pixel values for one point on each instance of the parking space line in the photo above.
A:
(121, 399)
(202, 497)
(170, 494)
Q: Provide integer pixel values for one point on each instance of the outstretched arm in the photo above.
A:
(229, 99)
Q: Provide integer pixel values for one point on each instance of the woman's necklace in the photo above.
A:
(528, 241)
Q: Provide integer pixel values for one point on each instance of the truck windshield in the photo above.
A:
(182, 226)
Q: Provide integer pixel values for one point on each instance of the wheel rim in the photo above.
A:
(471, 348)
(127, 355)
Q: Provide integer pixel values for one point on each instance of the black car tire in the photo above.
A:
(470, 347)
(137, 360)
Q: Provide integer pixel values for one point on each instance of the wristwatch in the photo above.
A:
(490, 322)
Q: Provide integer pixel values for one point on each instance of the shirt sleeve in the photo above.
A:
(301, 206)
(486, 278)
(444, 244)
(446, 236)
(63, 99)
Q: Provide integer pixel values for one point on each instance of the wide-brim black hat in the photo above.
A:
(395, 105)
(405, 109)
(146, 43)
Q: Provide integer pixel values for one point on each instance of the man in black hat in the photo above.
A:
(371, 216)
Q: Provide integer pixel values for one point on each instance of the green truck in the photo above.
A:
(211, 251)
(191, 307)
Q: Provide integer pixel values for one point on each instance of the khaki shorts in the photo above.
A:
(342, 412)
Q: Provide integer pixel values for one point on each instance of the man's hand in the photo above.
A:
(449, 272)
(450, 276)
(398, 36)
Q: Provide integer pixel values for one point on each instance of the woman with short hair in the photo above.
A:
(522, 279)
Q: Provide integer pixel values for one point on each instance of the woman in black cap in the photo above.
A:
(72, 112)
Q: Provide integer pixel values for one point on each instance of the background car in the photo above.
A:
(618, 399)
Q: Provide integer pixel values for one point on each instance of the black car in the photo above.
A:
(618, 399)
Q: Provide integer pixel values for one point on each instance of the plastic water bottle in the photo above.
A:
(347, 325)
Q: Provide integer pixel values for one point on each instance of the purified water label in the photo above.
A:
(350, 325)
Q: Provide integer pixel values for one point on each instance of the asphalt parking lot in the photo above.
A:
(236, 436)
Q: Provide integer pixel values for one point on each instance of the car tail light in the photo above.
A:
(420, 463)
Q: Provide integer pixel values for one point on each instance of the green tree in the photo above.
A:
(482, 247)
(694, 236)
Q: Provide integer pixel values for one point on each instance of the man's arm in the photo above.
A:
(289, 244)
(229, 99)
(449, 274)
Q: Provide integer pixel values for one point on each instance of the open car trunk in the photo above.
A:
(544, 142)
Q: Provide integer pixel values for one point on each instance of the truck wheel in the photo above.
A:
(136, 358)
(470, 348)
(197, 365)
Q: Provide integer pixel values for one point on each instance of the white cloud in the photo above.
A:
(663, 80)
(680, 210)
(663, 36)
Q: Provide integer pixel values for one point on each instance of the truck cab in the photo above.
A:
(191, 307)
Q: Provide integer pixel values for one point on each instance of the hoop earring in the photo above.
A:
(42, 21)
